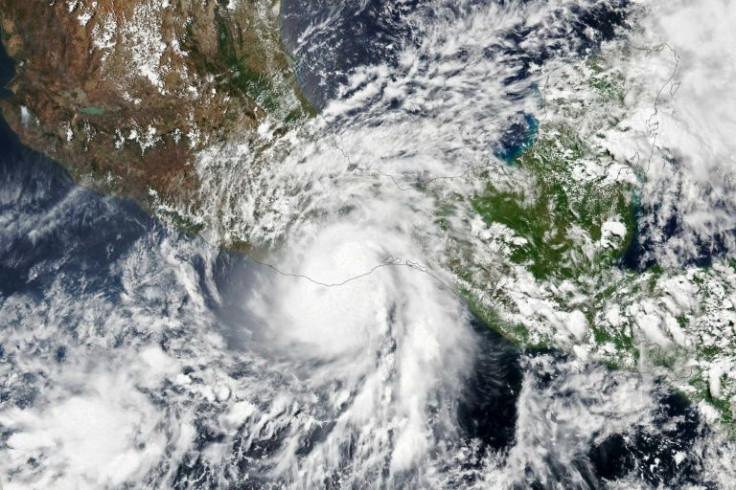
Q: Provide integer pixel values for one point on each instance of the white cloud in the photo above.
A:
(683, 106)
(105, 435)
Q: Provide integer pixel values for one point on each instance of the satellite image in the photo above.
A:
(368, 244)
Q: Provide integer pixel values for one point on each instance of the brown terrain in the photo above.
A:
(124, 93)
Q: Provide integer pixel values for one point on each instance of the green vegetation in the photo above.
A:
(723, 406)
(556, 208)
(251, 83)
(92, 111)
(517, 334)
(549, 216)
(253, 76)
(609, 86)
(180, 221)
(620, 339)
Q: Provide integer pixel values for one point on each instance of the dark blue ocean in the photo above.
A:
(51, 228)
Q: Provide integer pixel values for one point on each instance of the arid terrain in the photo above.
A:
(124, 92)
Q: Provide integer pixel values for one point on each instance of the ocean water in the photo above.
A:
(135, 356)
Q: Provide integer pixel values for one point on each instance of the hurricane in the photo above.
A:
(339, 348)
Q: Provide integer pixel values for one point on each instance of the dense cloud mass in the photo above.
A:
(686, 68)
(340, 352)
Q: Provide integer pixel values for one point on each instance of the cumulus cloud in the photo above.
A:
(683, 106)
(351, 354)
(103, 435)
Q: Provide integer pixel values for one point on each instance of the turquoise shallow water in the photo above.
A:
(62, 246)
(518, 138)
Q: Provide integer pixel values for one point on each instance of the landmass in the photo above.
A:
(124, 93)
